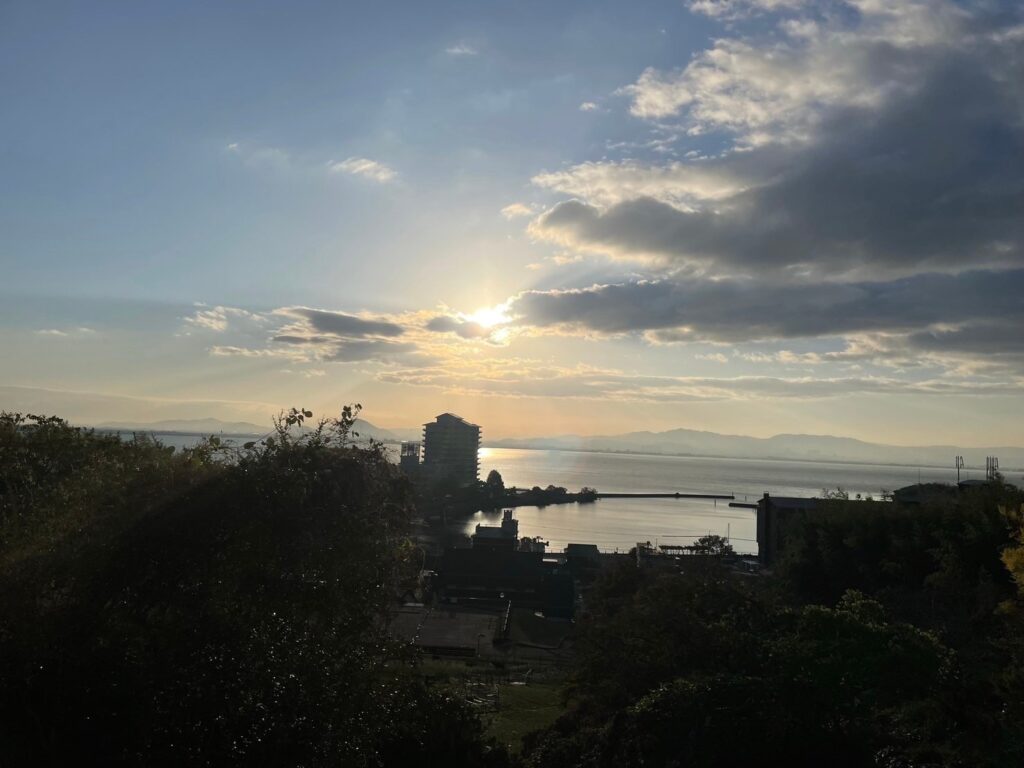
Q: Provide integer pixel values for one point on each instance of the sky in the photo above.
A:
(742, 216)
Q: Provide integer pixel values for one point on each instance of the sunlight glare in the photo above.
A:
(488, 317)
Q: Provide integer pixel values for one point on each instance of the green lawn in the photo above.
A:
(524, 708)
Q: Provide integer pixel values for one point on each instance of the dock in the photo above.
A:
(664, 496)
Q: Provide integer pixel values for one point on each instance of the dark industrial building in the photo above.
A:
(504, 536)
(493, 577)
(409, 458)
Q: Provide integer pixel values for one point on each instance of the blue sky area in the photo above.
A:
(751, 216)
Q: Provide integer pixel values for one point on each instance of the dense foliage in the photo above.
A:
(208, 607)
(226, 606)
(888, 636)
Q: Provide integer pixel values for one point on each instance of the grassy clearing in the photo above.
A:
(524, 708)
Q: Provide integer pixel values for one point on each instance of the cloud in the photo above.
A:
(516, 210)
(230, 350)
(736, 9)
(530, 379)
(588, 106)
(699, 309)
(341, 323)
(683, 184)
(316, 336)
(272, 158)
(461, 49)
(359, 350)
(307, 373)
(219, 318)
(66, 332)
(361, 166)
(779, 85)
(464, 328)
(893, 190)
(845, 156)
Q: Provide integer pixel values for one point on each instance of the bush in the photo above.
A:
(180, 609)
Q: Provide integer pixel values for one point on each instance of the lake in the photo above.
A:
(618, 524)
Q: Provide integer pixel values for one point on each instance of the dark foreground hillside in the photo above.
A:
(182, 609)
(215, 607)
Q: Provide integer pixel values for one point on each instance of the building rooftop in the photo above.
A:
(445, 629)
(791, 502)
(452, 417)
(582, 550)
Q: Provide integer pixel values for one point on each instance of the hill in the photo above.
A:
(689, 442)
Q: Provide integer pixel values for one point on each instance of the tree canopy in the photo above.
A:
(887, 635)
(213, 606)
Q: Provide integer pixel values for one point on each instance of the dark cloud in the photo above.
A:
(930, 180)
(342, 338)
(989, 338)
(352, 351)
(748, 310)
(463, 328)
(341, 324)
(290, 338)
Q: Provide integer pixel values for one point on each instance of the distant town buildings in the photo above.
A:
(409, 458)
(450, 450)
(504, 536)
(482, 577)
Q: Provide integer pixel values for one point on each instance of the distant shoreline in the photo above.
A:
(176, 433)
(852, 462)
(652, 454)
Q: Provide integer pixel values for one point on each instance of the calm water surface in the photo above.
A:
(620, 523)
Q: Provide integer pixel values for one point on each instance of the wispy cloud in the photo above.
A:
(516, 211)
(533, 379)
(219, 318)
(461, 49)
(66, 332)
(735, 9)
(364, 167)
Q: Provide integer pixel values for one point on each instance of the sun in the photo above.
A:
(488, 317)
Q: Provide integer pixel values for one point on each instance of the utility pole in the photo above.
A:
(991, 467)
(959, 466)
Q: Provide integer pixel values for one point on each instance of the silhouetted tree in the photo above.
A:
(494, 481)
(713, 544)
(215, 606)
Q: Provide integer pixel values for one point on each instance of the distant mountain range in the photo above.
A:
(190, 427)
(689, 442)
(674, 442)
(365, 429)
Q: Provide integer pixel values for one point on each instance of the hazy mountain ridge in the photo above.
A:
(210, 426)
(190, 426)
(784, 446)
(680, 441)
